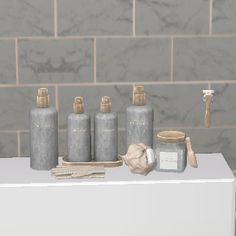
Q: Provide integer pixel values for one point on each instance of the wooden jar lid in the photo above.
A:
(171, 136)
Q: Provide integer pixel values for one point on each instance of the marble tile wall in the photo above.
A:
(94, 48)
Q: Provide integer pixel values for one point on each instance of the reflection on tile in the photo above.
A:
(224, 106)
(120, 95)
(133, 60)
(200, 59)
(92, 17)
(15, 105)
(224, 16)
(176, 105)
(7, 62)
(48, 61)
(8, 145)
(172, 17)
(26, 18)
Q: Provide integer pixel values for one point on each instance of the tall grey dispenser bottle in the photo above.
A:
(79, 141)
(106, 132)
(43, 134)
(139, 120)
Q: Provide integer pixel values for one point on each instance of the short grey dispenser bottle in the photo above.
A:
(106, 132)
(43, 134)
(139, 120)
(79, 141)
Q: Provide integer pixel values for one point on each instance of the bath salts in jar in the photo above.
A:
(170, 151)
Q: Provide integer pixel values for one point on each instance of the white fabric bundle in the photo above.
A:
(140, 159)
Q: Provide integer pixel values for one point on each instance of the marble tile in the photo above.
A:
(24, 144)
(92, 17)
(62, 143)
(201, 59)
(56, 61)
(224, 106)
(8, 145)
(133, 60)
(172, 17)
(15, 104)
(176, 105)
(224, 16)
(26, 18)
(120, 95)
(7, 62)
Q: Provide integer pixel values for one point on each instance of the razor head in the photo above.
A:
(208, 92)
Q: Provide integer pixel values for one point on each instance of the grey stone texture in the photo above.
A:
(43, 138)
(172, 17)
(139, 125)
(8, 145)
(105, 137)
(176, 105)
(25, 143)
(120, 96)
(7, 62)
(122, 60)
(224, 17)
(26, 18)
(201, 59)
(224, 106)
(79, 137)
(93, 17)
(56, 61)
(15, 105)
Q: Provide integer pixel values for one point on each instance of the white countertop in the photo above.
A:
(16, 172)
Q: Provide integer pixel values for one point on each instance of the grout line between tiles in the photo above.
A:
(118, 37)
(172, 60)
(18, 144)
(56, 98)
(119, 83)
(95, 60)
(210, 16)
(134, 17)
(55, 19)
(17, 61)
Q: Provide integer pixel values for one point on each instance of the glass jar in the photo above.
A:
(170, 151)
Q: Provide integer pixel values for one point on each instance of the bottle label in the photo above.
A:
(138, 122)
(169, 160)
(45, 126)
(79, 130)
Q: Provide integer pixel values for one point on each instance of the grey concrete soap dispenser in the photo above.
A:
(106, 131)
(43, 134)
(139, 120)
(79, 141)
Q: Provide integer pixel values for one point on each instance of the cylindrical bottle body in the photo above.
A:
(105, 137)
(79, 141)
(139, 125)
(43, 138)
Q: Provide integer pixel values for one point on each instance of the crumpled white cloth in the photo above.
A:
(137, 159)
